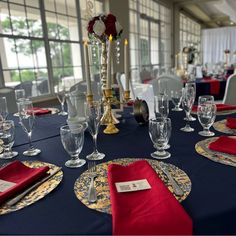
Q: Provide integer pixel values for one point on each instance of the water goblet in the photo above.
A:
(161, 105)
(73, 141)
(7, 135)
(158, 132)
(176, 98)
(61, 96)
(206, 99)
(3, 108)
(191, 84)
(27, 121)
(206, 113)
(19, 95)
(93, 117)
(187, 103)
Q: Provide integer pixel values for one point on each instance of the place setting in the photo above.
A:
(227, 126)
(24, 183)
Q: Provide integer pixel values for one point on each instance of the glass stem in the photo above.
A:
(30, 140)
(205, 129)
(62, 108)
(187, 120)
(95, 143)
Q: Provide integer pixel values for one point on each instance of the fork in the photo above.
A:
(92, 195)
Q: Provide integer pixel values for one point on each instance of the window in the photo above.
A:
(190, 33)
(150, 35)
(41, 43)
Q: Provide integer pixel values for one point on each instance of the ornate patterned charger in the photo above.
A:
(38, 193)
(220, 113)
(101, 183)
(224, 158)
(221, 126)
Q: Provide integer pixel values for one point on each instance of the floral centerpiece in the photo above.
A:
(102, 26)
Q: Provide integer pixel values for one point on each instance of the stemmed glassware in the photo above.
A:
(187, 103)
(161, 105)
(176, 98)
(158, 131)
(61, 96)
(193, 85)
(93, 117)
(27, 121)
(206, 113)
(3, 108)
(7, 135)
(19, 95)
(73, 141)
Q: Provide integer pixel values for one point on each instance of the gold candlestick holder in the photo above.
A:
(126, 96)
(108, 117)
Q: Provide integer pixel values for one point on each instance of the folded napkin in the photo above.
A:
(20, 174)
(41, 111)
(224, 144)
(231, 123)
(219, 107)
(151, 211)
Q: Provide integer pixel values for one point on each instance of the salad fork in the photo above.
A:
(92, 195)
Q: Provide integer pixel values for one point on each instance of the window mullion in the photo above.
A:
(47, 47)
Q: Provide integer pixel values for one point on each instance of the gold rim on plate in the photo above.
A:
(39, 192)
(220, 157)
(101, 183)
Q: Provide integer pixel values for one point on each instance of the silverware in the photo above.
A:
(92, 195)
(176, 188)
(16, 199)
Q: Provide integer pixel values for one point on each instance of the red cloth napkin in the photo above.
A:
(145, 212)
(20, 174)
(41, 111)
(231, 123)
(224, 144)
(219, 107)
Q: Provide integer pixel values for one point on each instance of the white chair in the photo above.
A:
(230, 94)
(166, 84)
(9, 93)
(121, 81)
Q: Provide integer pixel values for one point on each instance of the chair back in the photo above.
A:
(166, 84)
(9, 93)
(121, 81)
(27, 86)
(230, 94)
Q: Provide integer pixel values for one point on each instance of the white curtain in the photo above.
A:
(215, 41)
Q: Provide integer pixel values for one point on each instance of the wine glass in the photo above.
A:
(3, 108)
(61, 96)
(158, 131)
(206, 113)
(73, 141)
(19, 95)
(169, 129)
(27, 121)
(176, 98)
(93, 117)
(193, 85)
(187, 103)
(7, 135)
(161, 105)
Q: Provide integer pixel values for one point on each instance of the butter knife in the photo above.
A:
(176, 188)
(16, 199)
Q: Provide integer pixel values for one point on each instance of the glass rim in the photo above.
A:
(67, 127)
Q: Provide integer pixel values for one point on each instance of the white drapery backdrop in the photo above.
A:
(215, 41)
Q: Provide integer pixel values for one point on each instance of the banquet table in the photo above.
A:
(203, 87)
(211, 203)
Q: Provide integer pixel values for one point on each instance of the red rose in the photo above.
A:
(90, 25)
(110, 25)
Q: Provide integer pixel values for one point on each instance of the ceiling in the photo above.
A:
(211, 13)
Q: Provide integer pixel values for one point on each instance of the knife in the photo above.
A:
(16, 199)
(176, 188)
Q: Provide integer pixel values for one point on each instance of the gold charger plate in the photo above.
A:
(224, 158)
(101, 183)
(220, 113)
(221, 127)
(39, 192)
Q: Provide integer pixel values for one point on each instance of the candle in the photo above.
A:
(87, 71)
(126, 65)
(176, 61)
(108, 85)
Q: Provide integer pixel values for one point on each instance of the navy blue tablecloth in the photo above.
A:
(211, 203)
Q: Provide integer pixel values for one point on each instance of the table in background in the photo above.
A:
(211, 203)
